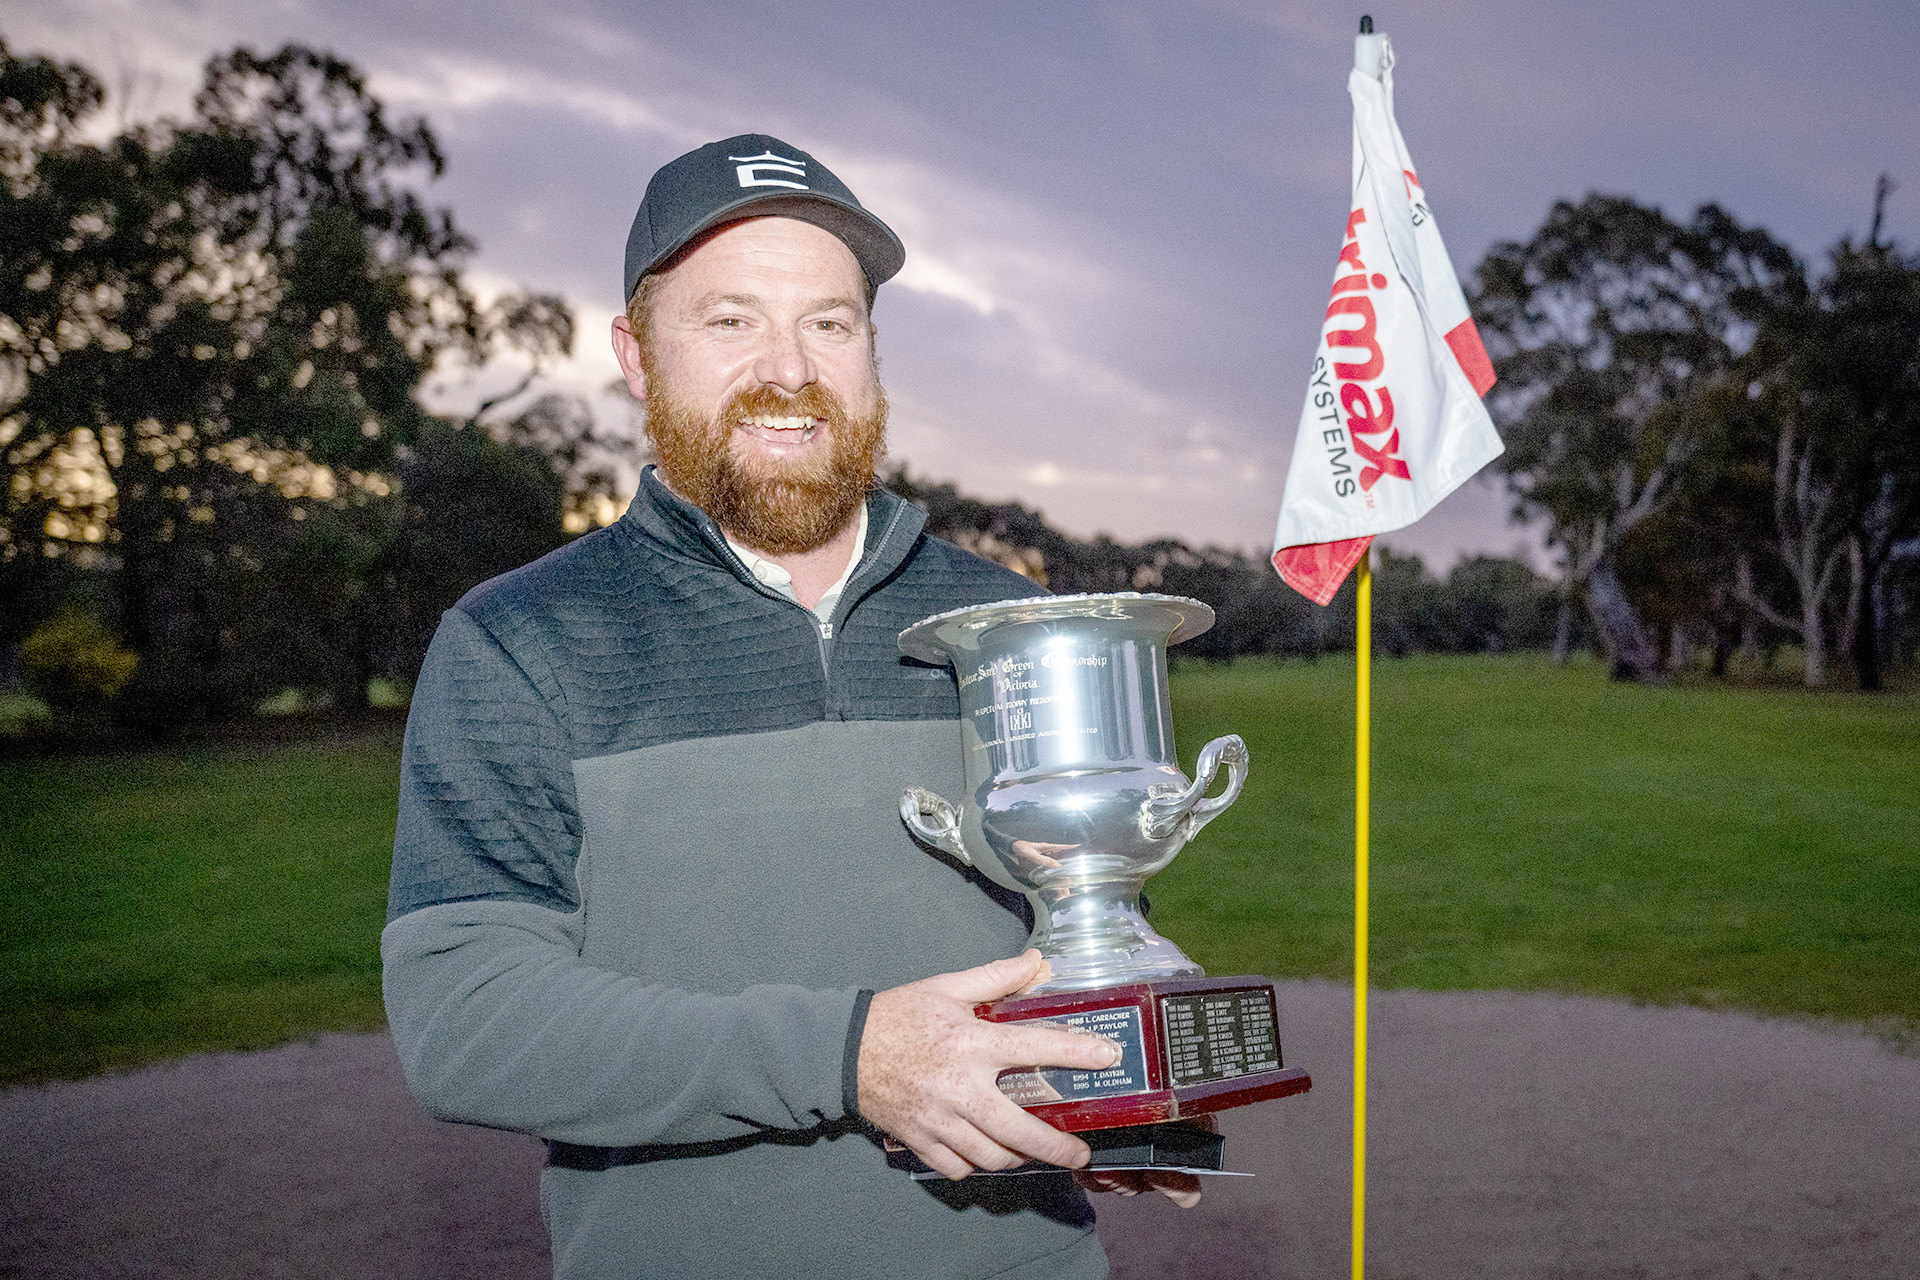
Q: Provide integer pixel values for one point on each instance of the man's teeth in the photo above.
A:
(768, 422)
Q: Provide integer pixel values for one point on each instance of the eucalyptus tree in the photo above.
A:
(1612, 329)
(1835, 390)
(1869, 372)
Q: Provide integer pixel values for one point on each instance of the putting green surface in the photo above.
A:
(1542, 828)
(1534, 827)
(160, 904)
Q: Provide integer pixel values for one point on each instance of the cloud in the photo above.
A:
(446, 84)
(1119, 217)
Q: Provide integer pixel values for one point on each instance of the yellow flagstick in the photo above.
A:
(1362, 749)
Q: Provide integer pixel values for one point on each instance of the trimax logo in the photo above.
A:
(1416, 197)
(749, 172)
(1364, 418)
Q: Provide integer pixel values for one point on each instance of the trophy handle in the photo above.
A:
(934, 820)
(1162, 815)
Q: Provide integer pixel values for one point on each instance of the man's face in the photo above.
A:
(757, 367)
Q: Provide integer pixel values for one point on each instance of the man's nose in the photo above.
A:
(785, 363)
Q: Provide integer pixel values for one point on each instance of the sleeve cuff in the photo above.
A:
(850, 1065)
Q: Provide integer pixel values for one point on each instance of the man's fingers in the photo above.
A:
(1181, 1188)
(980, 1151)
(1125, 1182)
(942, 1160)
(1020, 1130)
(1040, 1046)
(964, 1147)
(989, 981)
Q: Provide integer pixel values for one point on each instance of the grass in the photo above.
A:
(1541, 828)
(1534, 828)
(160, 904)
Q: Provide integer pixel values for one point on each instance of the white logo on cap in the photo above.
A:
(750, 171)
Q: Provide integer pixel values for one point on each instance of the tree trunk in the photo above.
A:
(356, 666)
(1874, 536)
(1810, 545)
(1563, 631)
(1813, 646)
(1866, 644)
(1850, 615)
(1631, 652)
(1679, 649)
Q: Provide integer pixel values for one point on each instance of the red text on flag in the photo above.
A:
(1368, 364)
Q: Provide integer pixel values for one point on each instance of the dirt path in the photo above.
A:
(1541, 1136)
(1513, 1136)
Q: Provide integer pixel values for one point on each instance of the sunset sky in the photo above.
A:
(1120, 218)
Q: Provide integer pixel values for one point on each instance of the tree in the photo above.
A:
(1609, 329)
(1871, 371)
(225, 322)
(42, 104)
(247, 298)
(1407, 604)
(1835, 386)
(590, 461)
(1490, 604)
(1808, 534)
(74, 665)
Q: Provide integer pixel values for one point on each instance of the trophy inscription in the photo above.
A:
(1074, 798)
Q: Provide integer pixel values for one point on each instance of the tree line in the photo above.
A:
(219, 481)
(1485, 604)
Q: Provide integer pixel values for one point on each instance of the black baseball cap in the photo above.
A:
(752, 176)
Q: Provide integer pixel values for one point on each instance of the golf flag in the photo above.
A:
(1393, 420)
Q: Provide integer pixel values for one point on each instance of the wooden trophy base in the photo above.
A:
(1188, 1047)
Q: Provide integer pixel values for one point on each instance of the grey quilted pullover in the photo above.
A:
(647, 869)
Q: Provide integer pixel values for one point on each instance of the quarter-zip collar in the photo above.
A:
(772, 575)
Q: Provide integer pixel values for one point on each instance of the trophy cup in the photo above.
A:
(1074, 797)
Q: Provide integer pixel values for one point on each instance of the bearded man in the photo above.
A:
(649, 873)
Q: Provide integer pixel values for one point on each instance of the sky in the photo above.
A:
(1121, 218)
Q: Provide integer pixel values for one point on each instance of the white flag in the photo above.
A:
(1393, 420)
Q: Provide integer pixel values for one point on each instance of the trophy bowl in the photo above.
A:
(1074, 796)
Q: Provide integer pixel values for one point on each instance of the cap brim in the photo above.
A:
(871, 241)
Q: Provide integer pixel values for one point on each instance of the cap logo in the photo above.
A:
(750, 172)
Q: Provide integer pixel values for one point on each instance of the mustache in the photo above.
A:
(812, 401)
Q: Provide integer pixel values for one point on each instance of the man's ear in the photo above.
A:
(626, 349)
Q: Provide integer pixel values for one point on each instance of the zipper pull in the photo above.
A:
(826, 631)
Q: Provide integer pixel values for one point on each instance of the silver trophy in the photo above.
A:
(1074, 796)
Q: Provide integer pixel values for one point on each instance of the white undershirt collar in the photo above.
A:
(777, 579)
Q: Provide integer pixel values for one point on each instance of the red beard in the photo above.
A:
(777, 507)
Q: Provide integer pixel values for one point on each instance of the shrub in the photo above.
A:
(75, 665)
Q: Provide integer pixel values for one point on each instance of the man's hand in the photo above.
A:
(1181, 1188)
(927, 1069)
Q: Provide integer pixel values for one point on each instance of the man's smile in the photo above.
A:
(780, 430)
